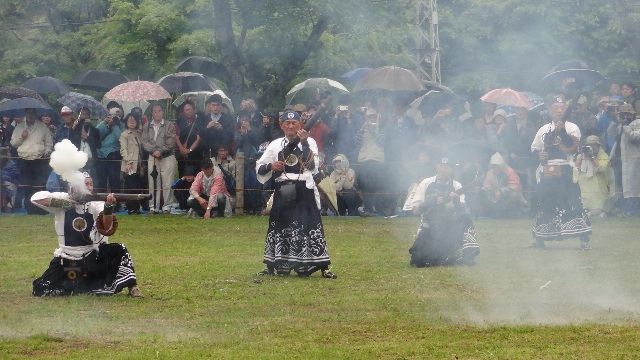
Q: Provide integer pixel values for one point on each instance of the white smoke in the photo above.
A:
(67, 161)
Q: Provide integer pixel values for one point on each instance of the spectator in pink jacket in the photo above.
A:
(209, 197)
(502, 189)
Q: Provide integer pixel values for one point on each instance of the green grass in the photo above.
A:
(202, 301)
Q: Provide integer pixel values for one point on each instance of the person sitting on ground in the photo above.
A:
(501, 189)
(182, 185)
(9, 180)
(209, 196)
(344, 178)
(592, 166)
(85, 261)
(446, 235)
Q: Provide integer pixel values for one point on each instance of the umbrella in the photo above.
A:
(98, 80)
(354, 75)
(77, 101)
(391, 78)
(138, 90)
(328, 195)
(16, 107)
(182, 82)
(572, 71)
(433, 101)
(202, 97)
(154, 176)
(535, 100)
(14, 92)
(506, 97)
(47, 85)
(204, 65)
(315, 85)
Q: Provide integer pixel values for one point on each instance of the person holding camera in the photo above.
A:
(108, 163)
(558, 209)
(607, 117)
(344, 127)
(625, 161)
(592, 166)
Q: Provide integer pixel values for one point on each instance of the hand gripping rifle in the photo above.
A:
(288, 150)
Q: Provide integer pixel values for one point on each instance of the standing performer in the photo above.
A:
(84, 262)
(446, 235)
(558, 206)
(295, 238)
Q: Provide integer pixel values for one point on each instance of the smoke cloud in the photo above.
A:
(67, 161)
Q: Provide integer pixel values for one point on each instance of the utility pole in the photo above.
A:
(428, 43)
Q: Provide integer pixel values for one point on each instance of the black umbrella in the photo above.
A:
(47, 85)
(16, 107)
(204, 65)
(14, 92)
(187, 81)
(571, 71)
(154, 175)
(98, 80)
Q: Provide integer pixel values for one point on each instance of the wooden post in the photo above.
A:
(240, 183)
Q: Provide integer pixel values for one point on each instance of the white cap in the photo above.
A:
(66, 110)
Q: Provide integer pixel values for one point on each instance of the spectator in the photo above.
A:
(108, 163)
(34, 144)
(249, 139)
(181, 187)
(209, 196)
(6, 131)
(627, 92)
(625, 160)
(65, 130)
(219, 128)
(371, 171)
(517, 138)
(319, 131)
(344, 126)
(502, 189)
(9, 179)
(558, 209)
(227, 165)
(132, 166)
(159, 140)
(87, 139)
(344, 178)
(189, 133)
(592, 165)
(582, 117)
(48, 121)
(608, 117)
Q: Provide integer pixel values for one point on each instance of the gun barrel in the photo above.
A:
(118, 196)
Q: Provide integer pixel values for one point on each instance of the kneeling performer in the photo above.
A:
(84, 261)
(446, 235)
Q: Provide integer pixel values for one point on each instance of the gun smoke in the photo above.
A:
(67, 161)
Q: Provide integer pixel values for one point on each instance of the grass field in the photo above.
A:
(202, 301)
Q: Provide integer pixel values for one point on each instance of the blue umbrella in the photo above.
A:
(535, 100)
(77, 101)
(355, 74)
(17, 107)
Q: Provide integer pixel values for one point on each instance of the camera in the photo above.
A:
(343, 108)
(364, 109)
(587, 149)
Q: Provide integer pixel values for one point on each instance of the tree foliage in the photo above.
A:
(270, 45)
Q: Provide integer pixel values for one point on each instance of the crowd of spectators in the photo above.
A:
(377, 151)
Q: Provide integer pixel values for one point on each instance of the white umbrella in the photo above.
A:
(202, 97)
(316, 85)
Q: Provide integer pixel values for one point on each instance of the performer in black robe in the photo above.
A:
(295, 238)
(446, 235)
(558, 203)
(84, 262)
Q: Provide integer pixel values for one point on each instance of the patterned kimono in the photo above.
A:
(295, 238)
